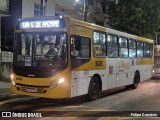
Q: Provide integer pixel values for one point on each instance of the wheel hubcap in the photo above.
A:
(94, 89)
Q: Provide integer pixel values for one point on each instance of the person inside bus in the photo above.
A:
(52, 50)
(74, 53)
(98, 51)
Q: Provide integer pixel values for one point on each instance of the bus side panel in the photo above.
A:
(80, 83)
(111, 72)
(145, 67)
(81, 80)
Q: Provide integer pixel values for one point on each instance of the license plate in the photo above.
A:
(31, 90)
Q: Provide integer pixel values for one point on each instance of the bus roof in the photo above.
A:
(109, 30)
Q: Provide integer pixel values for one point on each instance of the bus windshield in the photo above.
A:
(41, 50)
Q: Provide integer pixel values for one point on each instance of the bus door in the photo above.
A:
(112, 72)
(123, 63)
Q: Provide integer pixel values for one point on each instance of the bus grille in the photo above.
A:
(29, 89)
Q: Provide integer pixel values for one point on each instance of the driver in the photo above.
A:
(52, 49)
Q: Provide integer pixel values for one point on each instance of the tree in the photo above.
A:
(90, 10)
(82, 9)
(139, 17)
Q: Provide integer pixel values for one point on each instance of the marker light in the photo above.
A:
(13, 83)
(153, 71)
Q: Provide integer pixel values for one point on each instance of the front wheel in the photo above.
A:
(94, 89)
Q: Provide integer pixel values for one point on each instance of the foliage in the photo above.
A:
(139, 17)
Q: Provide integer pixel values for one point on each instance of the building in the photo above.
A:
(3, 13)
(65, 8)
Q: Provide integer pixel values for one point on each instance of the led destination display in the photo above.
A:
(40, 24)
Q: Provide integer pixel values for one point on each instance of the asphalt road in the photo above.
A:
(115, 104)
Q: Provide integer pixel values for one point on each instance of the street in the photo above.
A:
(111, 103)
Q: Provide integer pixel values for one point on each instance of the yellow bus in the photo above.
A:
(58, 57)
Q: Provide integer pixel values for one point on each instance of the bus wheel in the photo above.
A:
(128, 86)
(136, 81)
(94, 89)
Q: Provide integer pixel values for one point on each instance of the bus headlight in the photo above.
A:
(54, 83)
(12, 76)
(61, 80)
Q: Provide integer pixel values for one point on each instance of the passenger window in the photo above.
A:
(146, 50)
(80, 47)
(123, 48)
(139, 49)
(112, 46)
(99, 46)
(132, 48)
(79, 50)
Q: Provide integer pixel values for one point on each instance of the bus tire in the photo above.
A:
(128, 86)
(136, 80)
(94, 89)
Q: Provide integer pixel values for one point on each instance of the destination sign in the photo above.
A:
(40, 24)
